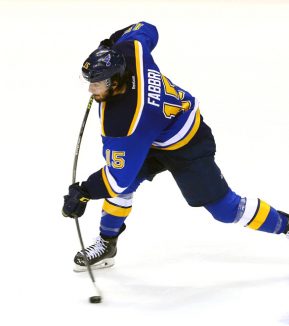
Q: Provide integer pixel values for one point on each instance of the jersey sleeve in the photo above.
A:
(143, 32)
(118, 34)
(125, 157)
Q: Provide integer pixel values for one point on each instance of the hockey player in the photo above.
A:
(150, 125)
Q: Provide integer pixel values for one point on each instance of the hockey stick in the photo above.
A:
(97, 297)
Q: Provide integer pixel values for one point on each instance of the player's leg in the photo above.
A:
(203, 184)
(116, 210)
(114, 213)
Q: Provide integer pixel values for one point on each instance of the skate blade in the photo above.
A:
(105, 263)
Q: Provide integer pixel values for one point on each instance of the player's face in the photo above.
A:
(100, 90)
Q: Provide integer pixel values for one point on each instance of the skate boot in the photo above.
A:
(99, 255)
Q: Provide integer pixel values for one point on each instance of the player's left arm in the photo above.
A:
(143, 32)
(124, 159)
(114, 37)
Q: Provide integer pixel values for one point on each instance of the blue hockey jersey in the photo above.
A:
(152, 113)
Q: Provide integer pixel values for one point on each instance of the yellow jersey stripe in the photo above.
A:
(102, 108)
(189, 136)
(260, 217)
(107, 185)
(139, 68)
(115, 210)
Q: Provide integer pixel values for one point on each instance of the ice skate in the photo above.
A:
(99, 255)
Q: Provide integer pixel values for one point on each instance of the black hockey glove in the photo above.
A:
(75, 202)
(106, 43)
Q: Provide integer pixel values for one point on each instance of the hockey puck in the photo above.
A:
(95, 299)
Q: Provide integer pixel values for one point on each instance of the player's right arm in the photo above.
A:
(125, 156)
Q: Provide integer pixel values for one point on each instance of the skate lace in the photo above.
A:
(97, 249)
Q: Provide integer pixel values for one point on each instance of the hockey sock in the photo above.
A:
(252, 213)
(225, 209)
(258, 215)
(114, 212)
(110, 226)
(285, 215)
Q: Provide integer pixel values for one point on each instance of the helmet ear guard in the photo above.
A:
(108, 82)
(102, 64)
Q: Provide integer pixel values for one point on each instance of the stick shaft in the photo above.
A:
(80, 138)
(73, 181)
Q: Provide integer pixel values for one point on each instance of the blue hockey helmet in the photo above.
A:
(103, 63)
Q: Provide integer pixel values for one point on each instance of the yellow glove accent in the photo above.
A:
(84, 199)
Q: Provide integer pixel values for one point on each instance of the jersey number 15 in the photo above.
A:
(115, 158)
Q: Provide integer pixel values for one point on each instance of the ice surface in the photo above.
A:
(175, 265)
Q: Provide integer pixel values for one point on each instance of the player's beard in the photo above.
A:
(105, 97)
